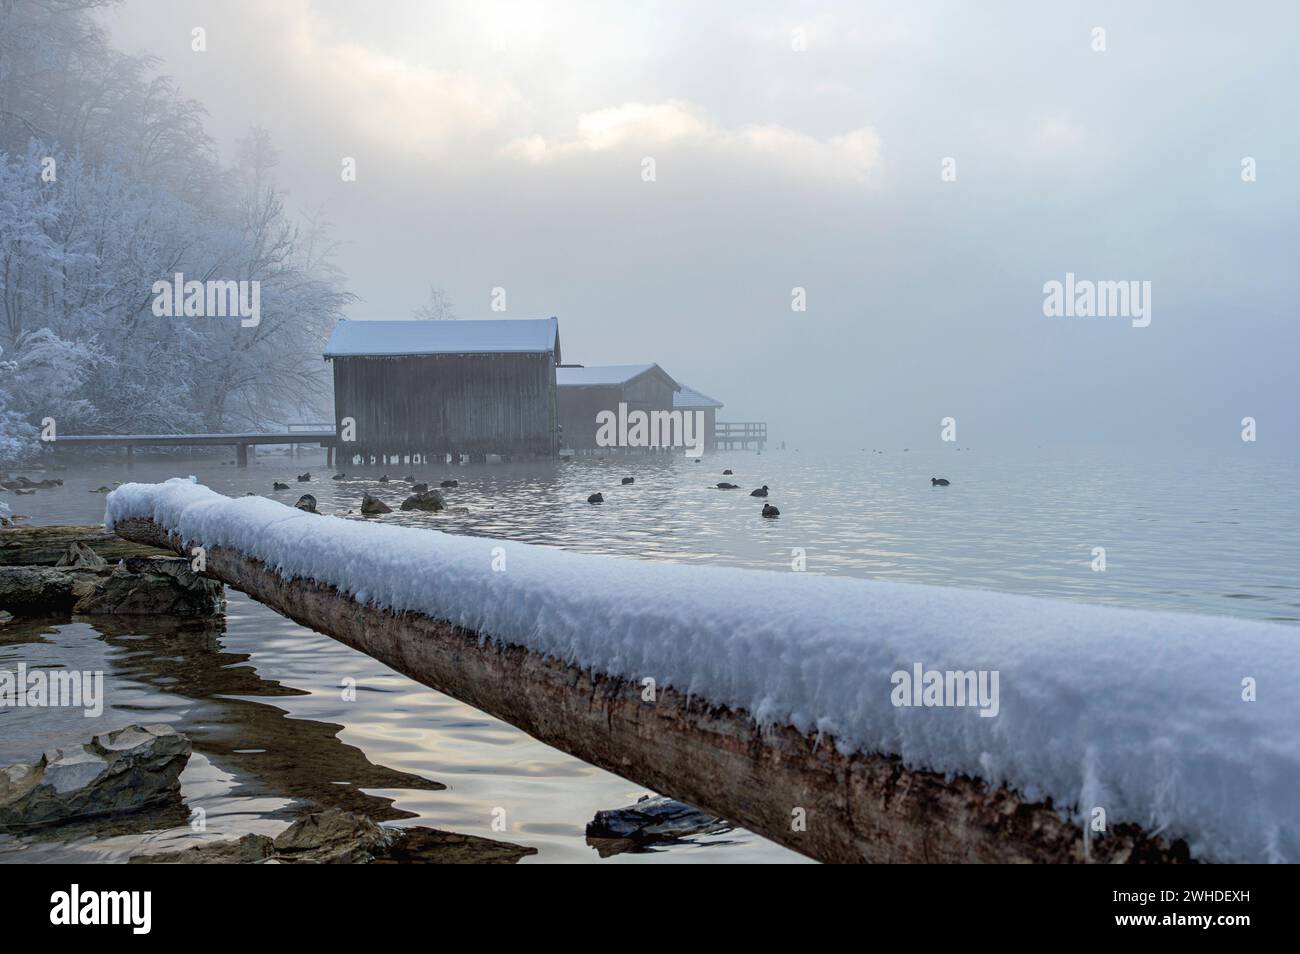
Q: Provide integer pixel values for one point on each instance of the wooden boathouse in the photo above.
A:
(432, 388)
(690, 400)
(585, 392)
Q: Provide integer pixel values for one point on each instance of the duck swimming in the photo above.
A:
(760, 492)
(726, 486)
(770, 511)
(596, 498)
(938, 482)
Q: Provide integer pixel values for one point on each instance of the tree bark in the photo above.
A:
(798, 790)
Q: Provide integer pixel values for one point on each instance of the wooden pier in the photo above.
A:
(730, 435)
(241, 442)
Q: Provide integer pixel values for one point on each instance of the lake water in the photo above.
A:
(260, 696)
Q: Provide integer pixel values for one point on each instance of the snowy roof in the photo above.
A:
(396, 338)
(689, 397)
(606, 375)
(1140, 712)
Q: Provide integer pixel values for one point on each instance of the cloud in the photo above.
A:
(673, 124)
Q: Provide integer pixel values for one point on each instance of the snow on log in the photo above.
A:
(778, 697)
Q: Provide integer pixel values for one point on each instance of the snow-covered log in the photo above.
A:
(776, 700)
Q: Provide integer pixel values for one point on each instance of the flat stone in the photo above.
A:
(117, 772)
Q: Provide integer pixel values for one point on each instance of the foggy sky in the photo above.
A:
(502, 145)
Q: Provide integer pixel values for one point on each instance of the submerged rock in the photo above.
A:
(654, 819)
(425, 500)
(117, 772)
(307, 502)
(373, 505)
(23, 483)
(335, 837)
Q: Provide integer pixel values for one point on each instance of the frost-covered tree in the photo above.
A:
(438, 307)
(108, 183)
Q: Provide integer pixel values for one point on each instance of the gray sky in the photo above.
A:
(502, 145)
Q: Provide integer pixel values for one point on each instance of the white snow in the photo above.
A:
(397, 338)
(688, 397)
(1140, 713)
(603, 375)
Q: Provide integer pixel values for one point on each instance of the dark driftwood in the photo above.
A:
(858, 808)
(42, 546)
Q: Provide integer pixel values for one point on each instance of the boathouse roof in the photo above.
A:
(688, 397)
(609, 375)
(392, 339)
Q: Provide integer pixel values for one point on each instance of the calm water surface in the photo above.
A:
(260, 696)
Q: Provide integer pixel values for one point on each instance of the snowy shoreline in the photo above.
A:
(1140, 713)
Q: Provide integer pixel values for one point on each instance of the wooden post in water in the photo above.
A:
(798, 790)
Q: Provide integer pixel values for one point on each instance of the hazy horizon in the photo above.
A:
(502, 145)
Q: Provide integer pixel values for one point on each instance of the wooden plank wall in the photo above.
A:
(448, 404)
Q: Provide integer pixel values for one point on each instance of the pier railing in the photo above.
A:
(729, 435)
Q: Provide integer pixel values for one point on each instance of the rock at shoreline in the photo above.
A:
(127, 770)
(163, 586)
(307, 502)
(332, 837)
(373, 505)
(40, 589)
(425, 500)
(336, 837)
(136, 585)
(78, 554)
